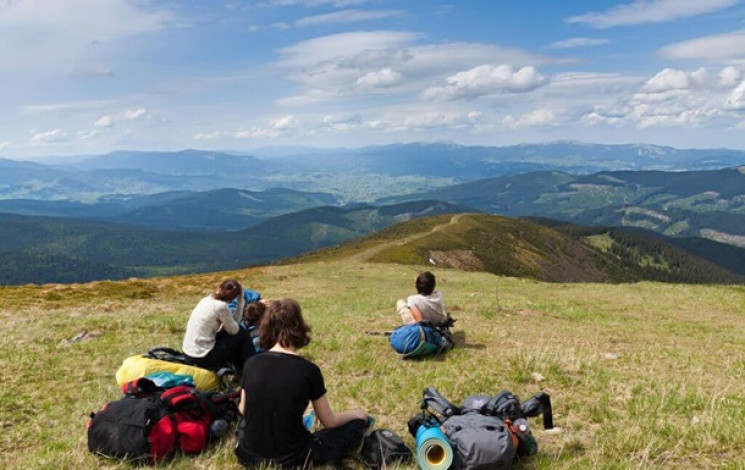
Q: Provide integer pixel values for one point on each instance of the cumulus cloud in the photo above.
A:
(729, 76)
(104, 121)
(134, 114)
(49, 137)
(346, 16)
(579, 42)
(486, 80)
(284, 122)
(538, 117)
(720, 47)
(87, 135)
(649, 11)
(208, 135)
(672, 79)
(736, 99)
(676, 98)
(330, 66)
(384, 78)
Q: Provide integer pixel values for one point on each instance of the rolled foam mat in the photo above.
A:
(433, 450)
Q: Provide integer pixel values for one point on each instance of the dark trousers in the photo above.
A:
(233, 349)
(330, 445)
(325, 446)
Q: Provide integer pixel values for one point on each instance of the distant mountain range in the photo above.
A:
(353, 175)
(146, 213)
(707, 204)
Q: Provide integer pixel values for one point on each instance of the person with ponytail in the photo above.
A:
(213, 336)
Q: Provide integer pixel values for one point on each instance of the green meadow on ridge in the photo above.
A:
(641, 374)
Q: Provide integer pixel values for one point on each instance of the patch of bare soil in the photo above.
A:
(464, 260)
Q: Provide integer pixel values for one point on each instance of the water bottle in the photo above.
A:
(520, 426)
(218, 428)
(526, 443)
(309, 420)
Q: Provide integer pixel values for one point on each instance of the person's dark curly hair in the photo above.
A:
(283, 324)
(253, 313)
(425, 283)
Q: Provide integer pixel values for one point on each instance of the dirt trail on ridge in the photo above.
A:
(365, 255)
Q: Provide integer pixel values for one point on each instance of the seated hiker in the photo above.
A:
(276, 388)
(249, 296)
(252, 314)
(213, 336)
(426, 305)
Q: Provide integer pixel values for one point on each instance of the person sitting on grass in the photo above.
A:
(252, 316)
(426, 305)
(276, 388)
(213, 337)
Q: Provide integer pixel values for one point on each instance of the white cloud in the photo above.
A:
(729, 77)
(538, 117)
(384, 78)
(649, 11)
(346, 16)
(285, 122)
(486, 80)
(64, 107)
(736, 99)
(44, 33)
(315, 3)
(104, 121)
(727, 47)
(667, 79)
(579, 42)
(134, 114)
(325, 48)
(673, 79)
(53, 136)
(87, 135)
(339, 65)
(208, 135)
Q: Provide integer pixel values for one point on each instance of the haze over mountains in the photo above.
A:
(146, 213)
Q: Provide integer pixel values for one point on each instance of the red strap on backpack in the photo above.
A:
(142, 387)
(192, 417)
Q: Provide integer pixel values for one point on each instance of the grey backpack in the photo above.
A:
(480, 442)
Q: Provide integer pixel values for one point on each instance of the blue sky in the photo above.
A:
(92, 76)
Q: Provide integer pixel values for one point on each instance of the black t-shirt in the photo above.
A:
(278, 388)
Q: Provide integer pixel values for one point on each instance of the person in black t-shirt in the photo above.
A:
(275, 390)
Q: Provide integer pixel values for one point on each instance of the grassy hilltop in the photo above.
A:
(642, 375)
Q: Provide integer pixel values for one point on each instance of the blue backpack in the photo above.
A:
(421, 339)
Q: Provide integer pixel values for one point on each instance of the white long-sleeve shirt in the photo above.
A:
(205, 322)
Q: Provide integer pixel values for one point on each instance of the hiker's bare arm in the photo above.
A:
(331, 419)
(416, 313)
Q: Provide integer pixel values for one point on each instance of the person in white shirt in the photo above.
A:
(426, 305)
(213, 336)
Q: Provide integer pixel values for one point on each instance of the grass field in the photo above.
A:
(641, 375)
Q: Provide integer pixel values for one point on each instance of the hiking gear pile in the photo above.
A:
(149, 424)
(484, 433)
(422, 338)
(170, 360)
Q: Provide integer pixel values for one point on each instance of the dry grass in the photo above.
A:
(641, 375)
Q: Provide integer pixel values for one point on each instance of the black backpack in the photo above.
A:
(149, 423)
(384, 447)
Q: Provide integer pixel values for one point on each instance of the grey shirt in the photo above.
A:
(432, 306)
